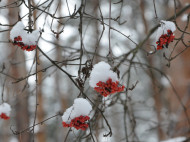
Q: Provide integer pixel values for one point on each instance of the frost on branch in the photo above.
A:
(77, 115)
(5, 110)
(165, 34)
(26, 41)
(104, 80)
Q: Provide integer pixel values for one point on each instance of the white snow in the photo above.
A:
(150, 52)
(27, 38)
(184, 17)
(164, 81)
(101, 72)
(5, 108)
(80, 107)
(165, 25)
(177, 139)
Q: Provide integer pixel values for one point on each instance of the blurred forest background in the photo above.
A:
(77, 34)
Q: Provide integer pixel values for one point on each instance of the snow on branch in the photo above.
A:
(26, 41)
(104, 80)
(77, 115)
(165, 34)
(5, 110)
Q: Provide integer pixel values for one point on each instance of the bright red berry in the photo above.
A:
(108, 88)
(165, 39)
(78, 123)
(4, 116)
(18, 41)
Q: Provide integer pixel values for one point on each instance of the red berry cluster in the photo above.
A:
(108, 88)
(4, 116)
(78, 122)
(18, 42)
(165, 39)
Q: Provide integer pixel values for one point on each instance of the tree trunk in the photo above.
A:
(19, 70)
(180, 76)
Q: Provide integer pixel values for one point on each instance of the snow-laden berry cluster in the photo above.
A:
(165, 34)
(104, 80)
(5, 110)
(26, 41)
(77, 115)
